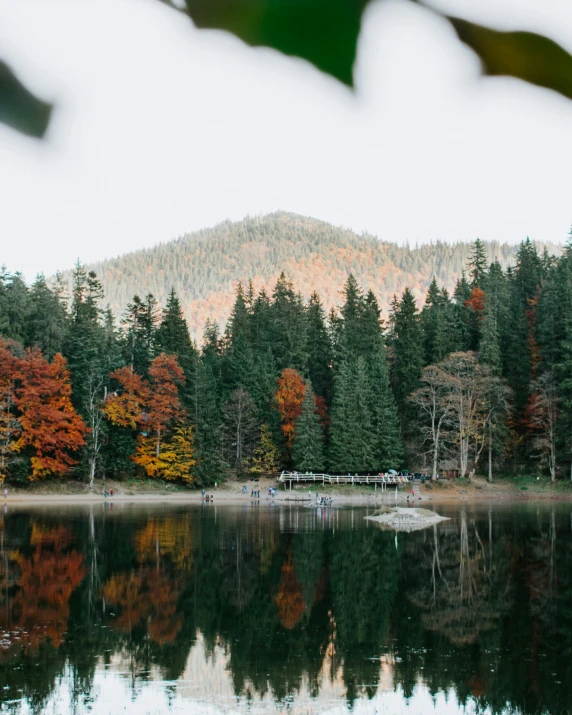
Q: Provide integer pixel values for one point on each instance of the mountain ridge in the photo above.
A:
(204, 267)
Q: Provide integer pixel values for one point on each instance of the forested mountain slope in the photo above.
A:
(204, 267)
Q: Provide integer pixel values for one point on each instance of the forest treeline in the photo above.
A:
(481, 378)
(204, 267)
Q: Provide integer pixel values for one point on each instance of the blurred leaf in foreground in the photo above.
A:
(324, 32)
(523, 55)
(19, 108)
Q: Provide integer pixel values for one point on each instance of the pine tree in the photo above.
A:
(388, 451)
(478, 264)
(319, 365)
(172, 338)
(407, 348)
(352, 436)
(288, 325)
(140, 324)
(207, 419)
(47, 319)
(308, 448)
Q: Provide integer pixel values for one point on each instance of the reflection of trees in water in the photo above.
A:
(476, 605)
(464, 589)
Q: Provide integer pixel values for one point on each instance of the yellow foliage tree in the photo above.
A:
(176, 459)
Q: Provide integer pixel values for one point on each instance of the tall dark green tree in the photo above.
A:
(352, 434)
(308, 448)
(47, 318)
(407, 343)
(140, 324)
(172, 337)
(320, 358)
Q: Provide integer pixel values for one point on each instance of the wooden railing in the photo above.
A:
(299, 477)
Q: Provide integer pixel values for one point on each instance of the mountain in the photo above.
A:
(204, 267)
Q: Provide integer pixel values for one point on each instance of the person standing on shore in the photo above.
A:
(5, 493)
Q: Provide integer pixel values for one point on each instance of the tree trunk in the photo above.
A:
(91, 472)
(490, 453)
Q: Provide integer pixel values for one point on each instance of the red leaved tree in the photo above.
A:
(49, 422)
(10, 428)
(152, 406)
(289, 398)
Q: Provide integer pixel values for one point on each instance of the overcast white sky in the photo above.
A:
(162, 129)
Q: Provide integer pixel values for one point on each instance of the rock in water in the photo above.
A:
(406, 519)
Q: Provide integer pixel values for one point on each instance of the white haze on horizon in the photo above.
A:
(161, 130)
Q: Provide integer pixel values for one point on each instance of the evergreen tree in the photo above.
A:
(388, 449)
(172, 338)
(15, 307)
(436, 321)
(352, 435)
(462, 315)
(140, 326)
(288, 325)
(47, 318)
(207, 419)
(308, 448)
(407, 348)
(319, 365)
(478, 264)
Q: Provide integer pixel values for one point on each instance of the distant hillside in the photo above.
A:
(204, 267)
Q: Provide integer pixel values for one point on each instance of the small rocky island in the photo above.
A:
(405, 518)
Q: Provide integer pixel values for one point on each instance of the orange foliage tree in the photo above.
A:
(153, 406)
(10, 428)
(125, 406)
(47, 578)
(290, 398)
(477, 300)
(289, 599)
(49, 422)
(149, 594)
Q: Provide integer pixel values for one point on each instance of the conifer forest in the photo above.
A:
(479, 378)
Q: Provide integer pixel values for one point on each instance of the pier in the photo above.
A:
(375, 479)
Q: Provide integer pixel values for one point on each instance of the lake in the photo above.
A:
(253, 609)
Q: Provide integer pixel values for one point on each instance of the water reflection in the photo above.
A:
(232, 609)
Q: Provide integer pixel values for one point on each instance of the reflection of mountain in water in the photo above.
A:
(284, 607)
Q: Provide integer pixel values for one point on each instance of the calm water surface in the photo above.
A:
(213, 609)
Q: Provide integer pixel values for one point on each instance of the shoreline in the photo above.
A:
(478, 491)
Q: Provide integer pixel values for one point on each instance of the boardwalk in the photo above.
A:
(382, 479)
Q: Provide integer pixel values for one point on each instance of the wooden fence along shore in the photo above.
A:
(382, 479)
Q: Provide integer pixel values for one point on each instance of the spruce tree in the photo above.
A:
(352, 434)
(388, 449)
(47, 319)
(140, 324)
(478, 264)
(288, 326)
(308, 448)
(319, 365)
(172, 337)
(407, 348)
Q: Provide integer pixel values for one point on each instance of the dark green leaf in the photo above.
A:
(19, 108)
(324, 32)
(524, 55)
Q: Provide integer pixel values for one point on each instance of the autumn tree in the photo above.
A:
(50, 425)
(265, 459)
(10, 428)
(289, 399)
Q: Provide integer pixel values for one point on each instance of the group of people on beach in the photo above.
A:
(108, 493)
(207, 497)
(323, 500)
